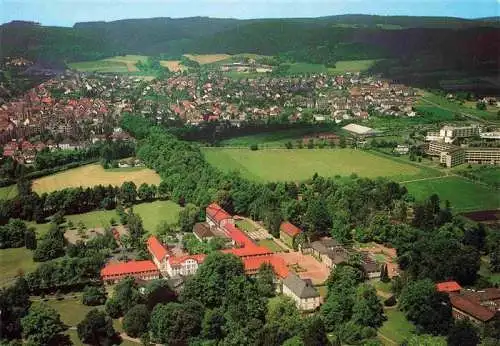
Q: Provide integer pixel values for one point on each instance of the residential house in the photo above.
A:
(288, 233)
(463, 307)
(302, 291)
(327, 250)
(217, 217)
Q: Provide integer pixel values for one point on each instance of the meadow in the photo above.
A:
(8, 192)
(463, 194)
(13, 262)
(91, 175)
(396, 329)
(352, 66)
(301, 164)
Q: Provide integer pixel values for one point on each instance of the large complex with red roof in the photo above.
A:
(144, 270)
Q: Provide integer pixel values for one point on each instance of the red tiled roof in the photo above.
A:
(290, 229)
(178, 260)
(471, 308)
(156, 248)
(249, 251)
(132, 267)
(253, 264)
(215, 212)
(239, 237)
(448, 286)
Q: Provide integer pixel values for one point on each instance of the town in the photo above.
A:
(209, 181)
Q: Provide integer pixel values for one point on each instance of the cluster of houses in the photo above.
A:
(478, 306)
(173, 264)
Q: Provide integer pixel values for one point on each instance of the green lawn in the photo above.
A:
(72, 310)
(14, 262)
(463, 194)
(271, 245)
(245, 225)
(397, 328)
(454, 106)
(301, 164)
(8, 192)
(154, 213)
(488, 174)
(301, 67)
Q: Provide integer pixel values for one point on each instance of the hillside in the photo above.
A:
(418, 49)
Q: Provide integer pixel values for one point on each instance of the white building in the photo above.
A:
(304, 294)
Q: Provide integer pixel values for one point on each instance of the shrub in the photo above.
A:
(254, 147)
(391, 301)
(93, 296)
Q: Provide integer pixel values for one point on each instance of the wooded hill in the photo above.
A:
(413, 44)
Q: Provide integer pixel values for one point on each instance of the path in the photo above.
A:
(423, 179)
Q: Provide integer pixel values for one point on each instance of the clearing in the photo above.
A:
(92, 175)
(301, 164)
(203, 59)
(13, 262)
(463, 194)
(396, 329)
(154, 213)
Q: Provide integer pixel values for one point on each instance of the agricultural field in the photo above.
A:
(100, 66)
(203, 59)
(351, 66)
(300, 67)
(8, 192)
(301, 164)
(172, 65)
(463, 194)
(92, 175)
(13, 262)
(396, 329)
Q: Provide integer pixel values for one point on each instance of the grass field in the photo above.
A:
(489, 175)
(463, 194)
(396, 328)
(352, 66)
(13, 262)
(485, 271)
(301, 67)
(301, 164)
(8, 192)
(271, 245)
(117, 64)
(71, 309)
(203, 59)
(455, 107)
(154, 213)
(245, 225)
(172, 65)
(91, 175)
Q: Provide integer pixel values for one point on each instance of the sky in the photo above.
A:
(67, 12)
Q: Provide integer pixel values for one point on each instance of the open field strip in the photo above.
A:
(301, 164)
(92, 175)
(203, 59)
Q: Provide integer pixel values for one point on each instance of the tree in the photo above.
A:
(265, 280)
(42, 325)
(135, 321)
(213, 324)
(93, 296)
(423, 305)
(135, 229)
(384, 275)
(463, 333)
(174, 323)
(96, 329)
(145, 192)
(283, 313)
(14, 304)
(30, 239)
(367, 310)
(481, 105)
(210, 283)
(188, 217)
(128, 192)
(426, 340)
(158, 292)
(51, 246)
(341, 227)
(313, 332)
(125, 295)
